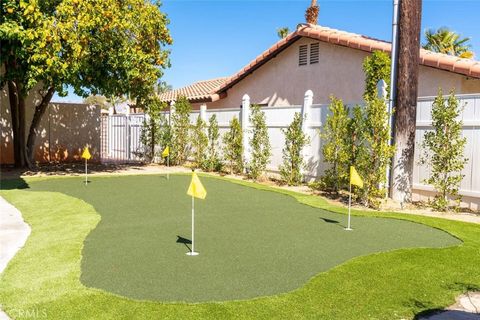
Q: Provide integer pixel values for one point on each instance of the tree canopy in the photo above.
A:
(283, 32)
(449, 42)
(98, 47)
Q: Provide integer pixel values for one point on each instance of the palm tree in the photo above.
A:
(162, 87)
(449, 42)
(410, 18)
(283, 32)
(311, 14)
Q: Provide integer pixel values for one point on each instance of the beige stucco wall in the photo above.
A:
(64, 130)
(281, 81)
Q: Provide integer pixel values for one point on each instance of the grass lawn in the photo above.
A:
(110, 250)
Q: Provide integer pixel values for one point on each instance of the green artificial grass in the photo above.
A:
(274, 239)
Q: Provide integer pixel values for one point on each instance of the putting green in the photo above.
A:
(252, 243)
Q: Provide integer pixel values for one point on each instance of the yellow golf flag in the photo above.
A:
(166, 152)
(86, 154)
(196, 188)
(355, 177)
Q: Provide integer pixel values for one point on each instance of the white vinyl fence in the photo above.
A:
(470, 116)
(124, 135)
(121, 138)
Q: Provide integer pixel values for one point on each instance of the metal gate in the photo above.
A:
(121, 138)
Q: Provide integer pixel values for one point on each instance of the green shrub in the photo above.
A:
(293, 162)
(165, 136)
(180, 132)
(260, 144)
(443, 151)
(375, 156)
(150, 134)
(376, 67)
(200, 142)
(233, 147)
(335, 148)
(213, 161)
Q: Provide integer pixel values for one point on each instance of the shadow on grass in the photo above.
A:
(333, 222)
(439, 314)
(185, 241)
(11, 184)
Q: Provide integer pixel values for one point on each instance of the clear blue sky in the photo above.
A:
(217, 38)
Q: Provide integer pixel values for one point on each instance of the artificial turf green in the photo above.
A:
(251, 242)
(45, 275)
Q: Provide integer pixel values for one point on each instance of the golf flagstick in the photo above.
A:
(349, 205)
(195, 190)
(192, 252)
(193, 225)
(355, 180)
(166, 154)
(86, 155)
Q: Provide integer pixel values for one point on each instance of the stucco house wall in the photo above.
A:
(282, 82)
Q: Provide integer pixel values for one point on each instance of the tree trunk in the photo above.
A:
(406, 99)
(13, 100)
(21, 128)
(37, 117)
(17, 110)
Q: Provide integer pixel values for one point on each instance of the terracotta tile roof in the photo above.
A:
(454, 64)
(201, 91)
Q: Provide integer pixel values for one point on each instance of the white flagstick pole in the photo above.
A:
(193, 225)
(86, 172)
(193, 253)
(349, 205)
(168, 166)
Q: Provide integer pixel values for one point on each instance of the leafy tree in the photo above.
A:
(376, 67)
(233, 146)
(443, 150)
(355, 140)
(376, 154)
(260, 143)
(95, 47)
(164, 135)
(335, 148)
(151, 132)
(97, 100)
(162, 87)
(283, 32)
(179, 150)
(293, 162)
(369, 136)
(213, 161)
(200, 142)
(449, 42)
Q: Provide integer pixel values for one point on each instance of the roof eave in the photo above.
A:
(260, 61)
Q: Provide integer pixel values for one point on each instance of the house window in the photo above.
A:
(302, 55)
(314, 53)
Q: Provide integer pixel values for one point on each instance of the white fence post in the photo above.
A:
(382, 89)
(306, 120)
(203, 112)
(245, 120)
(171, 112)
(382, 94)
